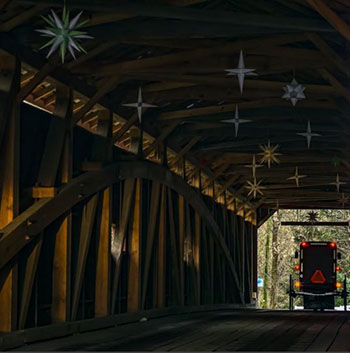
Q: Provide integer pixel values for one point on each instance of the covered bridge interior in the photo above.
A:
(134, 177)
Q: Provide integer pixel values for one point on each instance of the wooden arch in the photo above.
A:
(23, 230)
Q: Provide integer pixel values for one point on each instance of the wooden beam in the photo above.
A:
(61, 273)
(10, 71)
(197, 244)
(108, 86)
(56, 137)
(175, 257)
(45, 211)
(217, 173)
(186, 149)
(152, 65)
(161, 251)
(324, 224)
(43, 192)
(154, 206)
(128, 197)
(103, 261)
(135, 241)
(165, 132)
(9, 179)
(120, 133)
(139, 8)
(35, 81)
(335, 83)
(23, 16)
(332, 17)
(227, 108)
(30, 272)
(87, 222)
(181, 241)
(332, 56)
(4, 3)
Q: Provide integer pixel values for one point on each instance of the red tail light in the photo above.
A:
(333, 245)
(304, 244)
(297, 267)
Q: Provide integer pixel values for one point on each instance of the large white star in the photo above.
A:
(241, 71)
(294, 92)
(139, 105)
(236, 120)
(308, 134)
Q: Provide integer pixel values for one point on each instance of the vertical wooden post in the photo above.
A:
(255, 261)
(181, 247)
(103, 262)
(196, 257)
(135, 140)
(161, 264)
(87, 223)
(134, 277)
(174, 253)
(9, 177)
(129, 187)
(61, 273)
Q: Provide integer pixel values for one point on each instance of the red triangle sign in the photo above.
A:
(318, 277)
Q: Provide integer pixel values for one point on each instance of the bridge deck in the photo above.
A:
(217, 331)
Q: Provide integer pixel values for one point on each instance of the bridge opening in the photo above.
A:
(282, 236)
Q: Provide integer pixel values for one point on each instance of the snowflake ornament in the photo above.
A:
(294, 92)
(255, 187)
(269, 154)
(64, 34)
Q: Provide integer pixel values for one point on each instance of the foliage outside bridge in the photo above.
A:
(277, 245)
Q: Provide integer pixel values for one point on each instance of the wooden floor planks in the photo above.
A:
(250, 330)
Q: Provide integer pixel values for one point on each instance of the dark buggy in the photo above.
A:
(317, 282)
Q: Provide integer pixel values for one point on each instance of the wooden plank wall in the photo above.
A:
(135, 245)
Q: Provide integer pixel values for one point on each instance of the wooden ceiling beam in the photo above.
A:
(186, 149)
(344, 91)
(21, 18)
(227, 108)
(163, 135)
(4, 3)
(140, 8)
(333, 57)
(35, 81)
(108, 86)
(332, 17)
(183, 2)
(188, 55)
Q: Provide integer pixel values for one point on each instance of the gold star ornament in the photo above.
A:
(269, 154)
(297, 177)
(255, 187)
(343, 200)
